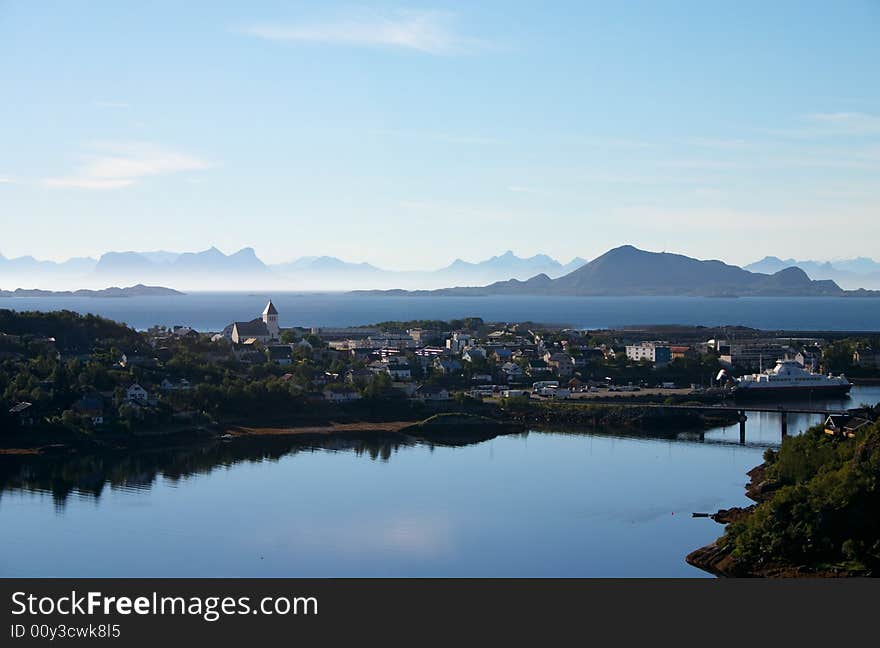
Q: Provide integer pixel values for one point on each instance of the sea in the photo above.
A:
(206, 311)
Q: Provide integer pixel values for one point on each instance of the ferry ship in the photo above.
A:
(788, 378)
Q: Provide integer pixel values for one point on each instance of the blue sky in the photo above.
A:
(407, 135)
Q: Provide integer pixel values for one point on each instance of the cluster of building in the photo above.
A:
(426, 364)
(751, 354)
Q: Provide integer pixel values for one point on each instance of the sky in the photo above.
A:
(407, 135)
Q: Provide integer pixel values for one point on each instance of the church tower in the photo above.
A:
(270, 317)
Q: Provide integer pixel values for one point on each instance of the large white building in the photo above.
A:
(654, 351)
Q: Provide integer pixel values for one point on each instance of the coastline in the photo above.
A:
(470, 423)
(718, 559)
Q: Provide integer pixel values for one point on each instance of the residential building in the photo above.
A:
(561, 363)
(136, 394)
(845, 425)
(447, 367)
(24, 413)
(358, 376)
(280, 354)
(473, 354)
(424, 336)
(538, 368)
(512, 371)
(398, 370)
(341, 394)
(681, 351)
(868, 358)
(502, 354)
(343, 333)
(91, 407)
(753, 355)
(655, 352)
(432, 393)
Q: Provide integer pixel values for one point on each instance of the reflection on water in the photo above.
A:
(90, 475)
(763, 429)
(533, 504)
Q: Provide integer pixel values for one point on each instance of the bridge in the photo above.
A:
(741, 412)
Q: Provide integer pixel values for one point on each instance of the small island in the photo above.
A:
(138, 290)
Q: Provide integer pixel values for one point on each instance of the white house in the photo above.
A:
(136, 394)
(399, 371)
(473, 354)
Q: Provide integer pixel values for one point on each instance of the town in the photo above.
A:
(84, 373)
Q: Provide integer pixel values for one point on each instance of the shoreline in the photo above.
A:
(458, 423)
(718, 560)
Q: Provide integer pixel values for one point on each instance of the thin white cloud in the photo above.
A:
(831, 124)
(850, 123)
(425, 31)
(79, 182)
(114, 165)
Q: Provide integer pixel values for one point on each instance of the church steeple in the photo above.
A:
(270, 317)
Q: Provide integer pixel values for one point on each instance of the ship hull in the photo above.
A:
(757, 393)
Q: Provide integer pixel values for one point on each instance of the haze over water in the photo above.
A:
(213, 311)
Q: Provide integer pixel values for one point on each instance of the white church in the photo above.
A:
(262, 329)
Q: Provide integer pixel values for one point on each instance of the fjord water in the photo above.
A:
(213, 311)
(538, 504)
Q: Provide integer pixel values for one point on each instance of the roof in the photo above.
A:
(270, 309)
(847, 421)
(254, 327)
(279, 352)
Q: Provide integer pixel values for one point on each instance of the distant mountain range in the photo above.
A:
(211, 269)
(628, 271)
(860, 272)
(132, 291)
(243, 270)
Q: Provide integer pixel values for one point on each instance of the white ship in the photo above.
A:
(790, 378)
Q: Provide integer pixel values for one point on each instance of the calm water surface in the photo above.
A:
(537, 504)
(213, 311)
